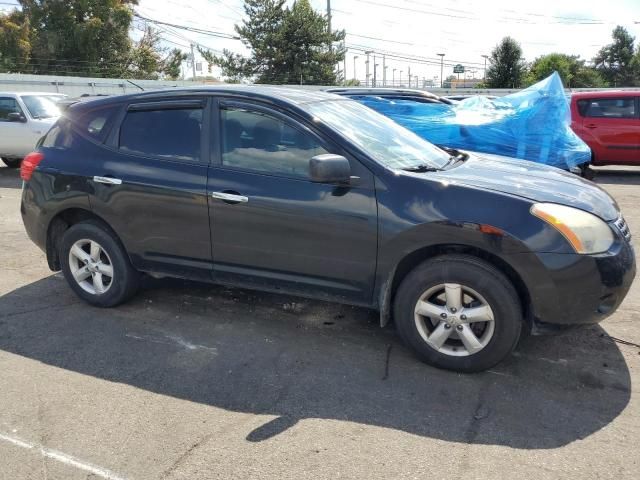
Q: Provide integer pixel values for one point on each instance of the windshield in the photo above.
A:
(40, 106)
(386, 141)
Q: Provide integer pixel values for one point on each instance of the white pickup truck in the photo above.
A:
(24, 118)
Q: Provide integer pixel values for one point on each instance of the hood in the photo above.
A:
(533, 181)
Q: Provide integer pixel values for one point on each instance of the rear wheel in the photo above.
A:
(96, 266)
(12, 162)
(458, 312)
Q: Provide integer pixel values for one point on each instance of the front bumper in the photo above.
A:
(571, 289)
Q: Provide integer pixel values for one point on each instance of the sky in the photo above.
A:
(463, 30)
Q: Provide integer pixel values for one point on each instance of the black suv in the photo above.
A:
(316, 195)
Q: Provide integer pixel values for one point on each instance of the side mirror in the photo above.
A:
(329, 168)
(16, 117)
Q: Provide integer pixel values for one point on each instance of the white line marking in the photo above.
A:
(62, 458)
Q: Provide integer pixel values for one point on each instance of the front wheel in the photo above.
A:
(459, 313)
(12, 162)
(96, 265)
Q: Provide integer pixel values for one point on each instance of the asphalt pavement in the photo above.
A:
(193, 381)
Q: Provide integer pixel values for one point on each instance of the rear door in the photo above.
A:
(150, 185)
(611, 126)
(271, 226)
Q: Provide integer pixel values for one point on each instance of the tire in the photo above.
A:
(94, 285)
(587, 172)
(434, 283)
(12, 162)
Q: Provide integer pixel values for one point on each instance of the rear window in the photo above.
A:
(164, 133)
(608, 108)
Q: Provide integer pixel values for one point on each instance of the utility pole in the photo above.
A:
(484, 77)
(384, 71)
(344, 62)
(329, 15)
(409, 73)
(355, 57)
(375, 71)
(193, 62)
(441, 55)
(367, 67)
(393, 82)
(400, 78)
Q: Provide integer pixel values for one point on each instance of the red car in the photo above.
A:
(609, 123)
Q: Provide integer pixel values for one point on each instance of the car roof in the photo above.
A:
(606, 94)
(287, 95)
(20, 94)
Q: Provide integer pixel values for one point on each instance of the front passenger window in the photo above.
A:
(260, 142)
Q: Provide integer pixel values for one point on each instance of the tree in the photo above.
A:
(148, 60)
(86, 37)
(15, 45)
(286, 45)
(615, 61)
(572, 70)
(507, 66)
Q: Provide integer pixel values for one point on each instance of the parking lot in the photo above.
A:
(194, 381)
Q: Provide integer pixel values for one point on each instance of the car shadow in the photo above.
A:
(9, 177)
(617, 176)
(297, 359)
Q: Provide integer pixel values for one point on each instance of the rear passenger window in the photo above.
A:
(96, 122)
(611, 108)
(164, 133)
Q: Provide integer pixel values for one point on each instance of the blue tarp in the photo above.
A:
(532, 124)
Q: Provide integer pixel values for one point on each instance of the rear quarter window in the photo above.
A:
(95, 123)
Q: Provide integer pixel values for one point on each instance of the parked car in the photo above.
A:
(419, 96)
(24, 118)
(531, 124)
(311, 194)
(609, 122)
(459, 98)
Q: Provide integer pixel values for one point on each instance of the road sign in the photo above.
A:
(458, 69)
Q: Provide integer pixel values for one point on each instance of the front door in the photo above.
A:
(271, 227)
(612, 125)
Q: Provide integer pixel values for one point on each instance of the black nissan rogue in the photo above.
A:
(316, 195)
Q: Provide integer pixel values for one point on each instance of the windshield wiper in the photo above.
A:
(422, 168)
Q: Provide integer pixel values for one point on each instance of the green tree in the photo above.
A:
(507, 68)
(148, 60)
(85, 37)
(15, 45)
(572, 70)
(286, 45)
(615, 61)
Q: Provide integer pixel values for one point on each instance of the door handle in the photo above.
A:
(107, 180)
(591, 125)
(230, 197)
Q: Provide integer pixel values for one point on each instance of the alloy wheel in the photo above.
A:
(454, 319)
(91, 266)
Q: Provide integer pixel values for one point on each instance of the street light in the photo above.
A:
(400, 78)
(375, 74)
(367, 53)
(394, 77)
(484, 76)
(441, 55)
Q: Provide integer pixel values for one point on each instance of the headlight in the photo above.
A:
(585, 232)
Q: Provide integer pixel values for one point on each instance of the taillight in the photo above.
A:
(29, 164)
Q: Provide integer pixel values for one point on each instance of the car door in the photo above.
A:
(611, 128)
(272, 227)
(150, 184)
(14, 135)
